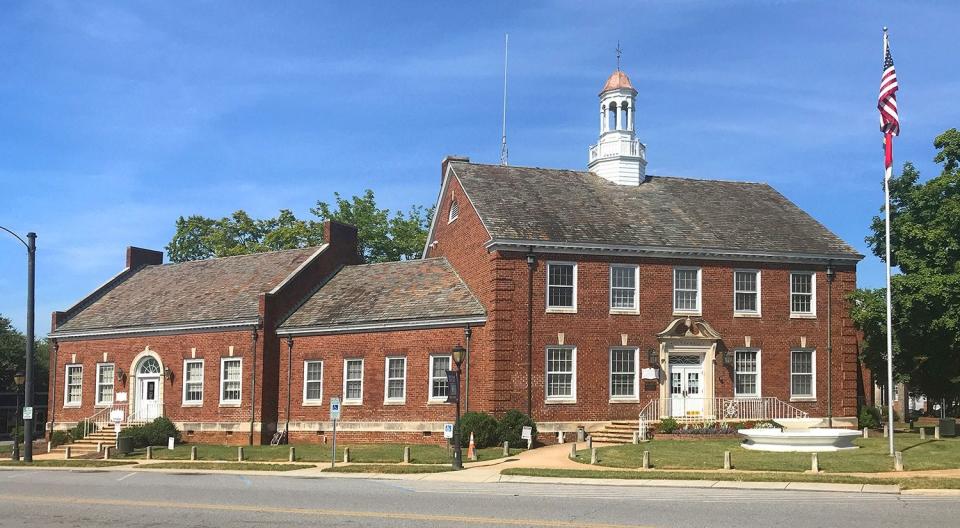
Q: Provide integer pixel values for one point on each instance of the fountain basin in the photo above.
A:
(814, 440)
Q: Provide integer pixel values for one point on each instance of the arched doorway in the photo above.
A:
(149, 402)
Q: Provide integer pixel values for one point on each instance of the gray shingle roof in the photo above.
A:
(388, 292)
(203, 291)
(579, 207)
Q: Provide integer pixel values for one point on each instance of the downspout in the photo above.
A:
(531, 262)
(830, 277)
(53, 388)
(286, 425)
(253, 382)
(467, 332)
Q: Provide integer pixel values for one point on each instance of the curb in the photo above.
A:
(719, 484)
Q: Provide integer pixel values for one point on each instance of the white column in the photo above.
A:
(619, 114)
(633, 111)
(603, 119)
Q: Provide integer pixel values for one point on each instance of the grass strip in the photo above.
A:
(226, 466)
(67, 463)
(388, 468)
(904, 483)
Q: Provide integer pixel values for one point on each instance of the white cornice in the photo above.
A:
(381, 326)
(152, 330)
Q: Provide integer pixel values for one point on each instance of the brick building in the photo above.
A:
(584, 297)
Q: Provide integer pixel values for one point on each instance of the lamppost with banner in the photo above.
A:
(453, 396)
(18, 381)
(31, 245)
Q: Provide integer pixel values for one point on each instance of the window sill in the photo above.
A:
(752, 315)
(351, 403)
(803, 399)
(71, 405)
(437, 402)
(103, 405)
(617, 311)
(802, 316)
(560, 310)
(624, 400)
(560, 402)
(697, 313)
(192, 404)
(395, 402)
(229, 404)
(312, 403)
(746, 396)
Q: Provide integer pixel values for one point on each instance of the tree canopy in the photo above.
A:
(383, 236)
(925, 246)
(13, 358)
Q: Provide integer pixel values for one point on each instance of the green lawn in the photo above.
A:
(361, 453)
(389, 468)
(904, 483)
(708, 454)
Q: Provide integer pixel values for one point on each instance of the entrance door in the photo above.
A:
(686, 386)
(148, 404)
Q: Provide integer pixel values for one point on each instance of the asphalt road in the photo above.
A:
(138, 499)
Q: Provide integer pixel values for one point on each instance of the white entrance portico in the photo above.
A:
(688, 350)
(146, 403)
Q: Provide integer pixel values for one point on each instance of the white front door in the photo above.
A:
(686, 386)
(148, 399)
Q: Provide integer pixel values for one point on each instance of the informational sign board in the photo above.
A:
(121, 396)
(453, 386)
(448, 430)
(526, 433)
(28, 413)
(116, 416)
(334, 408)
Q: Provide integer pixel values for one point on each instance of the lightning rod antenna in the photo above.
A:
(504, 152)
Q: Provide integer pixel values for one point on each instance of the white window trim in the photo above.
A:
(636, 290)
(307, 402)
(673, 292)
(352, 401)
(450, 216)
(560, 309)
(236, 402)
(812, 314)
(813, 375)
(387, 400)
(746, 313)
(572, 398)
(635, 397)
(97, 402)
(430, 377)
(184, 402)
(66, 385)
(759, 374)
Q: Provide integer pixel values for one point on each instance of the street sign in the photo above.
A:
(334, 408)
(28, 413)
(448, 430)
(526, 433)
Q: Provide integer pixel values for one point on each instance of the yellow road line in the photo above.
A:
(305, 511)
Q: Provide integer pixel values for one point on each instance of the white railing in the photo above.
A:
(720, 409)
(622, 147)
(145, 413)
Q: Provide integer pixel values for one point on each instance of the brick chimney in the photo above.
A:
(446, 161)
(138, 257)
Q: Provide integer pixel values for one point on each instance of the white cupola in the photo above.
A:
(618, 156)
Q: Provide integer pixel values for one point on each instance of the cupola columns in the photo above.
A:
(618, 157)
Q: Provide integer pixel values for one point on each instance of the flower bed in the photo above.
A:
(670, 428)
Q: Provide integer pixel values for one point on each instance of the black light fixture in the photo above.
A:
(728, 357)
(121, 375)
(18, 378)
(458, 355)
(167, 373)
(530, 259)
(653, 357)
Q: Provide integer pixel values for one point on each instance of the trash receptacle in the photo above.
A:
(125, 445)
(581, 434)
(948, 427)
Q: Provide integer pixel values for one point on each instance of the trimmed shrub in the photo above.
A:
(667, 426)
(154, 433)
(76, 433)
(59, 438)
(869, 417)
(482, 425)
(511, 427)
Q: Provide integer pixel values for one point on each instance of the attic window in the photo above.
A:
(454, 210)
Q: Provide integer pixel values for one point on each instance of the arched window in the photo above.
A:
(612, 117)
(148, 366)
(454, 210)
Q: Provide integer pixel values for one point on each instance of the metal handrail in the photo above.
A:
(722, 409)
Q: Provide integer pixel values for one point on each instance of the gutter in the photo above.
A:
(173, 328)
(382, 327)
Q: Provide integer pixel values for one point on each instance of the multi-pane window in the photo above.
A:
(561, 373)
(396, 379)
(104, 383)
(230, 376)
(746, 292)
(353, 380)
(802, 294)
(313, 381)
(623, 373)
(561, 286)
(747, 373)
(686, 289)
(439, 365)
(801, 374)
(193, 381)
(623, 288)
(74, 390)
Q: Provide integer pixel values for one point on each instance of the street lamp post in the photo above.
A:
(18, 381)
(458, 354)
(31, 245)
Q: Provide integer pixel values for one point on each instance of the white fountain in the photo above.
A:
(799, 435)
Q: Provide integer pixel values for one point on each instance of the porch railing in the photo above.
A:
(720, 409)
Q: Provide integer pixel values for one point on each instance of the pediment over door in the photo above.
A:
(687, 328)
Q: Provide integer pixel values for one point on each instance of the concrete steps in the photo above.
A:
(618, 432)
(90, 446)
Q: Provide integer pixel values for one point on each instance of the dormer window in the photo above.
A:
(454, 210)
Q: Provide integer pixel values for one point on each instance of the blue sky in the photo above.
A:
(120, 117)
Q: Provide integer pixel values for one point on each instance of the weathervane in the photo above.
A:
(619, 52)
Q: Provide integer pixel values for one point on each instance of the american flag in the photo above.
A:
(887, 103)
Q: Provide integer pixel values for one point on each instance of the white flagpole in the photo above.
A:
(886, 193)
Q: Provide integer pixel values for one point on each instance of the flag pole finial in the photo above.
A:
(884, 29)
